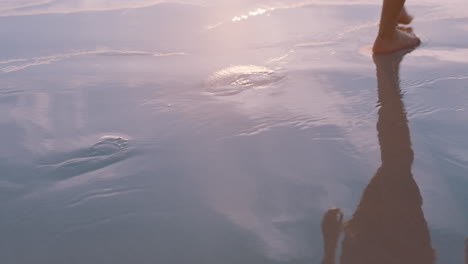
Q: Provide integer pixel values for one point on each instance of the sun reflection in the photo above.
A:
(259, 11)
(236, 79)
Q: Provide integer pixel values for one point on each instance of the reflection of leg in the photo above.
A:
(331, 228)
(388, 225)
(391, 10)
(390, 38)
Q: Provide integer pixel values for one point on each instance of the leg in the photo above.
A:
(405, 18)
(390, 38)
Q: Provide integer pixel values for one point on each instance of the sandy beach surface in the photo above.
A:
(217, 131)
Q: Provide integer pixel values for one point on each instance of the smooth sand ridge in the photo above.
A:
(389, 225)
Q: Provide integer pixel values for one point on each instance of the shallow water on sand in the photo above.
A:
(216, 131)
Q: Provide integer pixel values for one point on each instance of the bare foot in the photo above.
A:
(401, 40)
(406, 29)
(404, 17)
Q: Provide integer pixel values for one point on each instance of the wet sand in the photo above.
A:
(221, 132)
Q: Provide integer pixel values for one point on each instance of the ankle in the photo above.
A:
(386, 33)
(385, 36)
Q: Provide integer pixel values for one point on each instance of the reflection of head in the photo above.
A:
(331, 228)
(466, 251)
(389, 225)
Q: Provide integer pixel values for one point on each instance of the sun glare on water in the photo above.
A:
(257, 12)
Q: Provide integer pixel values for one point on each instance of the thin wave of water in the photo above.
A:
(31, 7)
(21, 64)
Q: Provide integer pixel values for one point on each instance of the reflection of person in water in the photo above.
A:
(466, 251)
(331, 228)
(388, 225)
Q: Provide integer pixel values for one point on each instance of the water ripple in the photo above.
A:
(99, 194)
(109, 150)
(301, 122)
(431, 79)
(236, 79)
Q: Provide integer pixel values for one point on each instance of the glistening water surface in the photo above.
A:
(138, 131)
